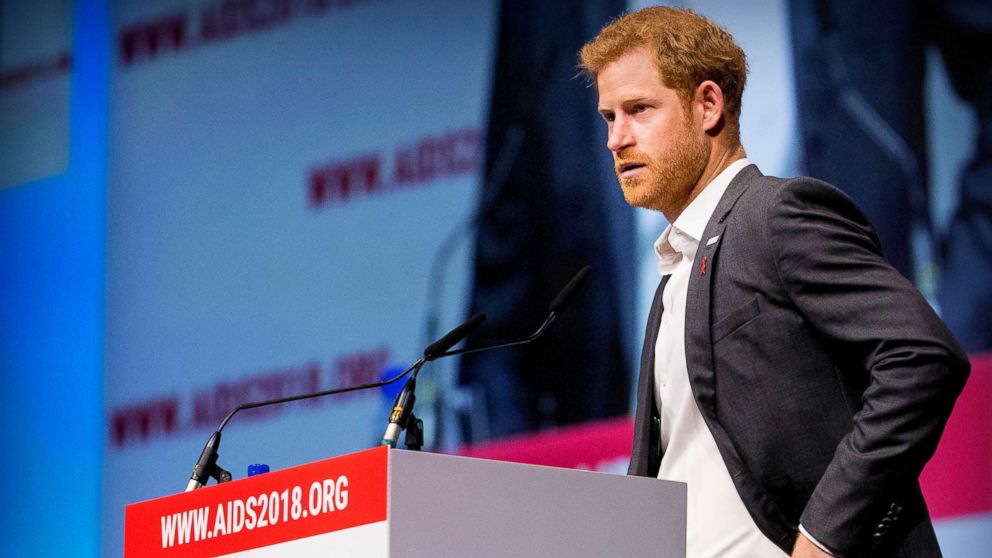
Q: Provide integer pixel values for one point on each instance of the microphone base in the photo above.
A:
(414, 439)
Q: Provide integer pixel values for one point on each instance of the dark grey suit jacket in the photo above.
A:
(823, 375)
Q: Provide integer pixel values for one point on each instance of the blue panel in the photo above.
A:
(51, 327)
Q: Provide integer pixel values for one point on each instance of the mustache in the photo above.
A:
(626, 158)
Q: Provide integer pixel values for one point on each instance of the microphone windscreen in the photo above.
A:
(568, 292)
(452, 338)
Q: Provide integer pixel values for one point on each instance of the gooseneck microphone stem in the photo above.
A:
(560, 301)
(522, 341)
(206, 466)
(433, 351)
(335, 391)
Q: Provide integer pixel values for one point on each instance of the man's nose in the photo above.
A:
(620, 135)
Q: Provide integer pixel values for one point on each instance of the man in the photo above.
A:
(790, 376)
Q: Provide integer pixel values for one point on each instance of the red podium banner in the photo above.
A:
(328, 496)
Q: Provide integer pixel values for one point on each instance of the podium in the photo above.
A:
(382, 502)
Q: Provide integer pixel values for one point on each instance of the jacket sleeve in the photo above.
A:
(877, 326)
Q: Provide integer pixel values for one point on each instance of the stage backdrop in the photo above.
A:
(291, 185)
(281, 177)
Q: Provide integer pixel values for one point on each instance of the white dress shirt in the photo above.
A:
(717, 522)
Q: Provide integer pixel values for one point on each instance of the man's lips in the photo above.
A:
(629, 167)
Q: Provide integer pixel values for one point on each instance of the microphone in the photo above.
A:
(206, 466)
(403, 406)
(570, 289)
(450, 339)
(564, 297)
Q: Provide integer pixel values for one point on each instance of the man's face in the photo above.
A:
(659, 151)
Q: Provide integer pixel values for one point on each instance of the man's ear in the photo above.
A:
(709, 96)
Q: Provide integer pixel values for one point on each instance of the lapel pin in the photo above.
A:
(702, 266)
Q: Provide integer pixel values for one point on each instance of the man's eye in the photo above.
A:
(640, 108)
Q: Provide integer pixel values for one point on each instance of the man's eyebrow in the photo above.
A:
(629, 101)
(635, 100)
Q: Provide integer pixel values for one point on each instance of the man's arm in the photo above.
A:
(805, 548)
(876, 323)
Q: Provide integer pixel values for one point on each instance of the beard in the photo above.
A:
(668, 179)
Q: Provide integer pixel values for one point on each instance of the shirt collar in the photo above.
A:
(681, 238)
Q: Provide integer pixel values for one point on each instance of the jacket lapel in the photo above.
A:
(646, 456)
(698, 318)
